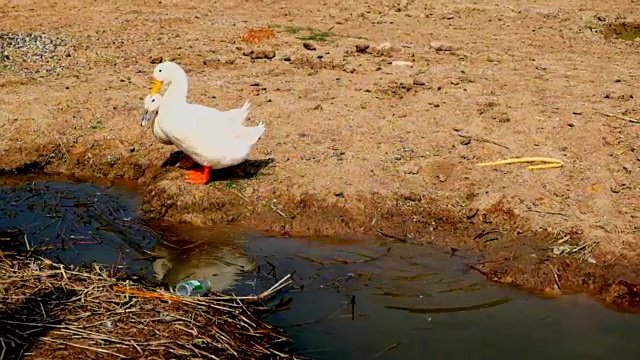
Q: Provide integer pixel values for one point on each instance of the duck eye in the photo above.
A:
(160, 70)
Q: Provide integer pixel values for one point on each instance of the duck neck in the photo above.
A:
(178, 88)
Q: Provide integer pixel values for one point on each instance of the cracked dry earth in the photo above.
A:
(376, 114)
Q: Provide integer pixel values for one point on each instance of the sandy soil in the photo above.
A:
(357, 144)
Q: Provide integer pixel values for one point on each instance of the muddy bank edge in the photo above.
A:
(512, 251)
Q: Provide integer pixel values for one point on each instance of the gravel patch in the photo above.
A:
(21, 51)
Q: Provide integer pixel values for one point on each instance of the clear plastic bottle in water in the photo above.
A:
(193, 288)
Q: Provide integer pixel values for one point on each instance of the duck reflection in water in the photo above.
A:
(191, 253)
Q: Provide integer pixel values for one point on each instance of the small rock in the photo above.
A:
(571, 125)
(156, 60)
(260, 54)
(577, 112)
(411, 170)
(615, 189)
(465, 141)
(361, 48)
(471, 212)
(309, 46)
(402, 63)
(254, 83)
(501, 117)
(419, 81)
(286, 58)
(441, 46)
(412, 196)
(385, 46)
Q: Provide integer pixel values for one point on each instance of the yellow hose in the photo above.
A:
(551, 162)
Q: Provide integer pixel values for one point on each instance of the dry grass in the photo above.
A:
(50, 311)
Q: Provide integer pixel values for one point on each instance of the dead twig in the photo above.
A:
(391, 236)
(277, 210)
(482, 139)
(625, 118)
(388, 348)
(555, 276)
(83, 347)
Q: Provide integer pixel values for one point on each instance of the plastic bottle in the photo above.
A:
(193, 288)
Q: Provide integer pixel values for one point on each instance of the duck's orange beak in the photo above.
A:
(157, 84)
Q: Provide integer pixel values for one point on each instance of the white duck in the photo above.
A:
(194, 128)
(152, 106)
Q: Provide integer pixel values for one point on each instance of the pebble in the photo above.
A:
(361, 48)
(471, 212)
(385, 46)
(402, 63)
(260, 54)
(442, 46)
(411, 170)
(419, 81)
(309, 46)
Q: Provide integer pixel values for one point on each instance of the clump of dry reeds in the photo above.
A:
(50, 311)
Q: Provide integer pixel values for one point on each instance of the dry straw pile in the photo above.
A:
(49, 311)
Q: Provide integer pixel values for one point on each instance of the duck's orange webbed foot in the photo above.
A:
(199, 176)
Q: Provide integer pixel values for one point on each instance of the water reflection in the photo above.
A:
(192, 253)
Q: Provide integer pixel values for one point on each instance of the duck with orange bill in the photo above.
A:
(207, 135)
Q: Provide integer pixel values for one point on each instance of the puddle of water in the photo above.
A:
(356, 299)
(78, 223)
(417, 302)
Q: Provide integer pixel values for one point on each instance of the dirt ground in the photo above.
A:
(360, 141)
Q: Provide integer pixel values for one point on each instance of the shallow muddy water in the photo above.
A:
(77, 223)
(352, 299)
